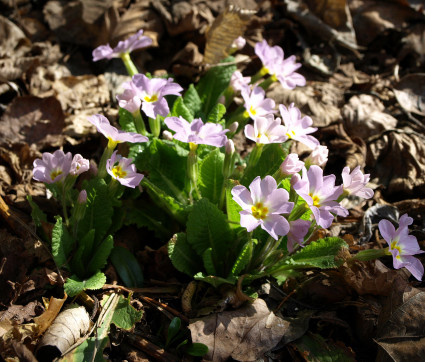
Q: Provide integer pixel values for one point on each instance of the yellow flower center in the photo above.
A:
(55, 173)
(395, 246)
(118, 172)
(153, 98)
(252, 110)
(264, 71)
(259, 211)
(316, 200)
(290, 134)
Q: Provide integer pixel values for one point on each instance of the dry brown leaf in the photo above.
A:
(401, 334)
(32, 120)
(364, 117)
(410, 93)
(45, 320)
(12, 38)
(372, 278)
(397, 159)
(318, 100)
(244, 334)
(69, 326)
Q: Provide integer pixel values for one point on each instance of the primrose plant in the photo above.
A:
(224, 217)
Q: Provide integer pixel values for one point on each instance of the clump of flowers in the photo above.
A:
(231, 216)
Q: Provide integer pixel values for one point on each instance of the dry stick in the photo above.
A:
(159, 354)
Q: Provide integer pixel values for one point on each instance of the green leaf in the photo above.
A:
(126, 120)
(181, 109)
(100, 256)
(210, 177)
(125, 315)
(215, 281)
(193, 102)
(127, 267)
(197, 349)
(37, 214)
(173, 329)
(209, 262)
(62, 243)
(75, 285)
(166, 164)
(270, 160)
(83, 254)
(98, 215)
(183, 256)
(216, 113)
(232, 207)
(243, 258)
(214, 83)
(207, 227)
(314, 348)
(322, 253)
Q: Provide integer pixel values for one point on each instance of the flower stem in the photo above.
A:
(107, 153)
(129, 65)
(260, 74)
(155, 126)
(371, 254)
(192, 171)
(139, 123)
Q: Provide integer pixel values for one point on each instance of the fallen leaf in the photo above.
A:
(45, 320)
(244, 334)
(410, 93)
(364, 117)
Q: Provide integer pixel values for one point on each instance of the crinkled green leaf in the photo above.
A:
(214, 83)
(166, 164)
(99, 210)
(37, 214)
(75, 285)
(322, 253)
(271, 158)
(210, 178)
(125, 315)
(193, 102)
(215, 281)
(100, 255)
(243, 258)
(207, 258)
(232, 207)
(181, 109)
(127, 267)
(216, 113)
(183, 256)
(126, 120)
(83, 254)
(62, 243)
(207, 227)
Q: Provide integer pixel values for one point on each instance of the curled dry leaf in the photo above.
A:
(243, 334)
(410, 93)
(319, 100)
(45, 320)
(397, 159)
(68, 327)
(401, 334)
(364, 116)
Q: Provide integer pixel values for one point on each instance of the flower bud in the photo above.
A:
(229, 147)
(233, 127)
(291, 165)
(82, 197)
(319, 156)
(167, 135)
(80, 206)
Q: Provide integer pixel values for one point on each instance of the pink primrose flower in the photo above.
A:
(238, 43)
(52, 168)
(238, 82)
(266, 130)
(298, 230)
(79, 165)
(402, 246)
(263, 205)
(130, 99)
(135, 41)
(123, 170)
(319, 156)
(152, 91)
(197, 132)
(279, 68)
(297, 127)
(354, 183)
(114, 135)
(320, 194)
(291, 165)
(256, 105)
